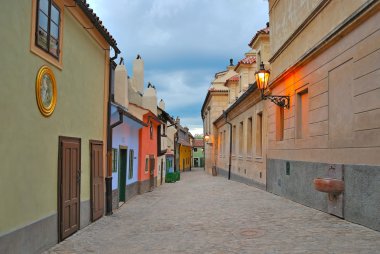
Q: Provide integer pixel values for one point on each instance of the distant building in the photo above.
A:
(198, 153)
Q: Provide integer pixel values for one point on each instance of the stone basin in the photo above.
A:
(329, 185)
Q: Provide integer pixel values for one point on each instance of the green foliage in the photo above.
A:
(172, 177)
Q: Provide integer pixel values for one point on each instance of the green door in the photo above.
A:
(122, 173)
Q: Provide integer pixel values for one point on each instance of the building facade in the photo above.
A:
(55, 132)
(325, 56)
(198, 153)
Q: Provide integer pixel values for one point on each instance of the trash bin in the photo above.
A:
(214, 173)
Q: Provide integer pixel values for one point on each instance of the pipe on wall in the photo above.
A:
(230, 153)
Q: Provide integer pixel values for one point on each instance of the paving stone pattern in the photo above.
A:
(205, 214)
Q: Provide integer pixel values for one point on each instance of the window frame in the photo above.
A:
(114, 160)
(51, 4)
(131, 162)
(34, 47)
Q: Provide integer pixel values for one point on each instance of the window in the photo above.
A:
(146, 164)
(195, 149)
(259, 134)
(241, 128)
(302, 114)
(48, 26)
(151, 130)
(131, 157)
(233, 139)
(225, 143)
(249, 136)
(114, 160)
(280, 123)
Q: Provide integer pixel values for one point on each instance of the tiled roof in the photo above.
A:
(248, 60)
(213, 89)
(265, 30)
(97, 23)
(234, 78)
(198, 143)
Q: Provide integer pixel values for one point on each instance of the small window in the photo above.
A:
(302, 114)
(195, 149)
(47, 30)
(114, 160)
(241, 145)
(280, 119)
(131, 157)
(249, 137)
(146, 164)
(259, 134)
(151, 130)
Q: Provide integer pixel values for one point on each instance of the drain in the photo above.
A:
(250, 233)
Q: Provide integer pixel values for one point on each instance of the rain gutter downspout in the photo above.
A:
(108, 178)
(229, 158)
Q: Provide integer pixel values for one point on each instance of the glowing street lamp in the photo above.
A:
(262, 78)
(207, 137)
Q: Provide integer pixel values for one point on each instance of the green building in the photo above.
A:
(198, 153)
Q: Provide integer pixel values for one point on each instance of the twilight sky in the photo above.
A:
(183, 43)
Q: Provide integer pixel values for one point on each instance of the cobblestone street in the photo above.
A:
(205, 214)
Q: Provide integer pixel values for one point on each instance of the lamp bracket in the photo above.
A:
(279, 100)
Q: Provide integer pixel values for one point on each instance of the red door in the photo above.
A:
(69, 186)
(97, 180)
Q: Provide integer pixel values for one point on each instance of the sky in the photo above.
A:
(183, 44)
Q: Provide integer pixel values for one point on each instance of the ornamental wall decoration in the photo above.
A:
(46, 91)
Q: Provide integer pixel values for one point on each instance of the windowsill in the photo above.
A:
(47, 57)
(240, 157)
(249, 158)
(258, 159)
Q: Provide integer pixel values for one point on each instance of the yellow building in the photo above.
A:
(183, 149)
(55, 81)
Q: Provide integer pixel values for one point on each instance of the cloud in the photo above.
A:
(183, 43)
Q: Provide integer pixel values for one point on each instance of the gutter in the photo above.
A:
(108, 178)
(230, 153)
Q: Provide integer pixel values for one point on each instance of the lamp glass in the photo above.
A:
(262, 77)
(207, 138)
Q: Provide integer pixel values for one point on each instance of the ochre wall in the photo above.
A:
(343, 86)
(185, 154)
(29, 141)
(287, 15)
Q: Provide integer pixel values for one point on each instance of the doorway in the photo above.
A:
(97, 180)
(122, 172)
(196, 162)
(151, 171)
(69, 174)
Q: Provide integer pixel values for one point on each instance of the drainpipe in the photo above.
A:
(229, 158)
(108, 178)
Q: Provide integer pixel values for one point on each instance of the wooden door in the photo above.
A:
(69, 186)
(151, 171)
(97, 180)
(122, 173)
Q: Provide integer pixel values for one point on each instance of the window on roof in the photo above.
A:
(48, 27)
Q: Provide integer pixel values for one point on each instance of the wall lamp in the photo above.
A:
(207, 138)
(262, 77)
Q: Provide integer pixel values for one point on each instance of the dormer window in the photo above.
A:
(47, 27)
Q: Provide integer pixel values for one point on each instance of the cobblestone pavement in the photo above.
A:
(205, 214)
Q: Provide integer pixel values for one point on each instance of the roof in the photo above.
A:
(198, 143)
(246, 60)
(265, 30)
(95, 20)
(127, 114)
(184, 142)
(234, 78)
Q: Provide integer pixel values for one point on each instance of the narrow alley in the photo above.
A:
(204, 214)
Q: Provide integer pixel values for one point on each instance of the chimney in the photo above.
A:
(149, 99)
(138, 74)
(161, 104)
(121, 85)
